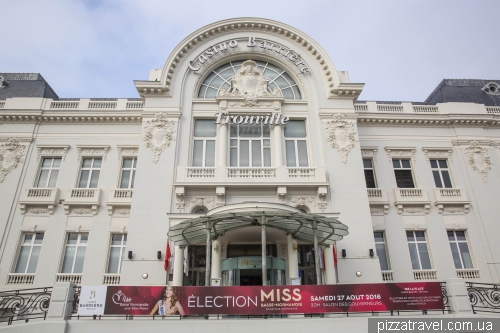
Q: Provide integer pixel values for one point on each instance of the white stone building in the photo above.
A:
(90, 187)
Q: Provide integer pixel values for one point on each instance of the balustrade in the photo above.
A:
(425, 275)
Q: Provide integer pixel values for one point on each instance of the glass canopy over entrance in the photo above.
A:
(310, 228)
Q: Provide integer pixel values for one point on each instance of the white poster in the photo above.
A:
(92, 300)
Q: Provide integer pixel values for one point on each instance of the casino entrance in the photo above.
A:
(245, 234)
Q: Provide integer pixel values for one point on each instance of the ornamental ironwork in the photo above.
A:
(24, 304)
(484, 297)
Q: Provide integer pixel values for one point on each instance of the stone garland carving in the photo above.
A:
(376, 210)
(454, 209)
(37, 210)
(413, 210)
(301, 201)
(199, 201)
(11, 154)
(81, 211)
(341, 135)
(122, 211)
(159, 134)
(478, 159)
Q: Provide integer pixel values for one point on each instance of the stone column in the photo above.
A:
(329, 266)
(178, 266)
(216, 258)
(222, 151)
(278, 145)
(293, 263)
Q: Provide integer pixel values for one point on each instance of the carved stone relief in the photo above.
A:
(159, 133)
(207, 202)
(126, 151)
(454, 209)
(51, 151)
(443, 153)
(80, 211)
(478, 159)
(37, 210)
(92, 151)
(341, 135)
(397, 152)
(121, 211)
(11, 154)
(301, 201)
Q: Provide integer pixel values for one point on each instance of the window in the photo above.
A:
(89, 174)
(128, 172)
(204, 143)
(116, 253)
(441, 173)
(221, 77)
(420, 258)
(74, 255)
(369, 173)
(402, 171)
(296, 148)
(29, 253)
(460, 250)
(49, 170)
(381, 249)
(250, 145)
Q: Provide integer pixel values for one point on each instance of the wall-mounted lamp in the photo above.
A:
(158, 255)
(344, 253)
(145, 275)
(358, 273)
(130, 254)
(371, 252)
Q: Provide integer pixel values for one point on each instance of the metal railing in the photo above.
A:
(25, 304)
(484, 297)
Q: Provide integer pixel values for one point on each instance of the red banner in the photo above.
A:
(146, 300)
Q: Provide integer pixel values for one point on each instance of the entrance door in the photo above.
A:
(251, 277)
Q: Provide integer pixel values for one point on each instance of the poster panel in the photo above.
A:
(160, 300)
(92, 300)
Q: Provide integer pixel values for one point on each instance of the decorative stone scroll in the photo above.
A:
(92, 151)
(478, 159)
(341, 135)
(400, 152)
(11, 154)
(127, 151)
(370, 152)
(159, 133)
(433, 152)
(52, 151)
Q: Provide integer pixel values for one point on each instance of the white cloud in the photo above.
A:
(400, 49)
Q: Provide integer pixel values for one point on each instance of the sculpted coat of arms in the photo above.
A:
(341, 135)
(478, 159)
(249, 83)
(159, 133)
(11, 154)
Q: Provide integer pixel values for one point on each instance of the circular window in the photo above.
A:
(221, 78)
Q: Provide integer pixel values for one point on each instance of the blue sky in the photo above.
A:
(400, 49)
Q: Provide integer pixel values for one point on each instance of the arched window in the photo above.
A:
(221, 78)
(199, 211)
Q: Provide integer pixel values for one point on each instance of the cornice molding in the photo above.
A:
(400, 119)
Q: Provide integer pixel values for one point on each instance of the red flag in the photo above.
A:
(167, 255)
(335, 259)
